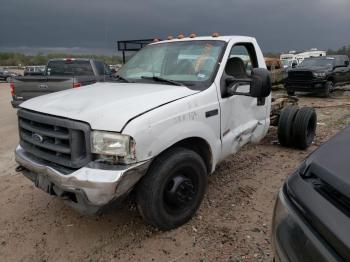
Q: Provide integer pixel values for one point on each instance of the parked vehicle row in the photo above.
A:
(34, 70)
(60, 74)
(319, 74)
(292, 59)
(7, 75)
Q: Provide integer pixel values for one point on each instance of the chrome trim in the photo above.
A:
(100, 186)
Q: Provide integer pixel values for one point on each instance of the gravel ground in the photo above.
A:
(233, 223)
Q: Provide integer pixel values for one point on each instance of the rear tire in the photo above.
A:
(285, 125)
(291, 93)
(173, 189)
(304, 127)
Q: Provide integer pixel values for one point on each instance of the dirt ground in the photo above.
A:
(233, 223)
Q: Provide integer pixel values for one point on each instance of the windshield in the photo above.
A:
(319, 62)
(69, 67)
(188, 62)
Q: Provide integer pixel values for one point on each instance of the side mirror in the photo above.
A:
(259, 84)
(294, 64)
(346, 63)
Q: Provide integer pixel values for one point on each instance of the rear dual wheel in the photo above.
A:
(297, 127)
(285, 125)
(304, 127)
(173, 189)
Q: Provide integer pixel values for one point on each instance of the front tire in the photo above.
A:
(328, 88)
(173, 189)
(291, 93)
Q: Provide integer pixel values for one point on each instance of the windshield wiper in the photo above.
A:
(118, 77)
(164, 80)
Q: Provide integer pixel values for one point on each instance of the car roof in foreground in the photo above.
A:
(330, 162)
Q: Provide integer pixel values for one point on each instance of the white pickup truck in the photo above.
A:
(176, 109)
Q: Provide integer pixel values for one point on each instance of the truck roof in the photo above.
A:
(73, 59)
(206, 38)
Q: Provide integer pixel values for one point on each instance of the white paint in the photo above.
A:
(109, 106)
(106, 106)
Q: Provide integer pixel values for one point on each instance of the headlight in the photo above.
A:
(319, 74)
(113, 145)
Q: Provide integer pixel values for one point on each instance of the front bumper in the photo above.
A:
(292, 236)
(86, 189)
(305, 86)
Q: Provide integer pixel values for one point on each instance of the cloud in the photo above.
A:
(277, 24)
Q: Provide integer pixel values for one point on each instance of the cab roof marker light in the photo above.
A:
(215, 34)
(156, 40)
(193, 35)
(180, 36)
(170, 37)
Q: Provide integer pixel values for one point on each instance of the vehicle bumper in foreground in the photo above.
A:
(87, 189)
(293, 238)
(305, 86)
(16, 103)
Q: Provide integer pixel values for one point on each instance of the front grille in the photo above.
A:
(58, 140)
(300, 75)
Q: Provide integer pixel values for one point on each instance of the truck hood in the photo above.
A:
(313, 69)
(330, 162)
(107, 106)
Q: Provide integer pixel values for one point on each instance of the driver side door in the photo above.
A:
(242, 117)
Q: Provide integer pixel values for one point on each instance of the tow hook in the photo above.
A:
(19, 169)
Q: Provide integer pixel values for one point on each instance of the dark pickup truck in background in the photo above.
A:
(34, 70)
(60, 74)
(318, 75)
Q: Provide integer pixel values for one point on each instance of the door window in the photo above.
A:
(246, 53)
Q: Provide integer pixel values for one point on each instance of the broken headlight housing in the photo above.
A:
(113, 148)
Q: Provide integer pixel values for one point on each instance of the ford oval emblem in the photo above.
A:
(37, 138)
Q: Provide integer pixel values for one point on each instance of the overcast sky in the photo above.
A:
(277, 24)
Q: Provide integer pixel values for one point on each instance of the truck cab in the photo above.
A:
(175, 110)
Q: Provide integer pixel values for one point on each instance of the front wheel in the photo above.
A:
(173, 189)
(328, 88)
(291, 93)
